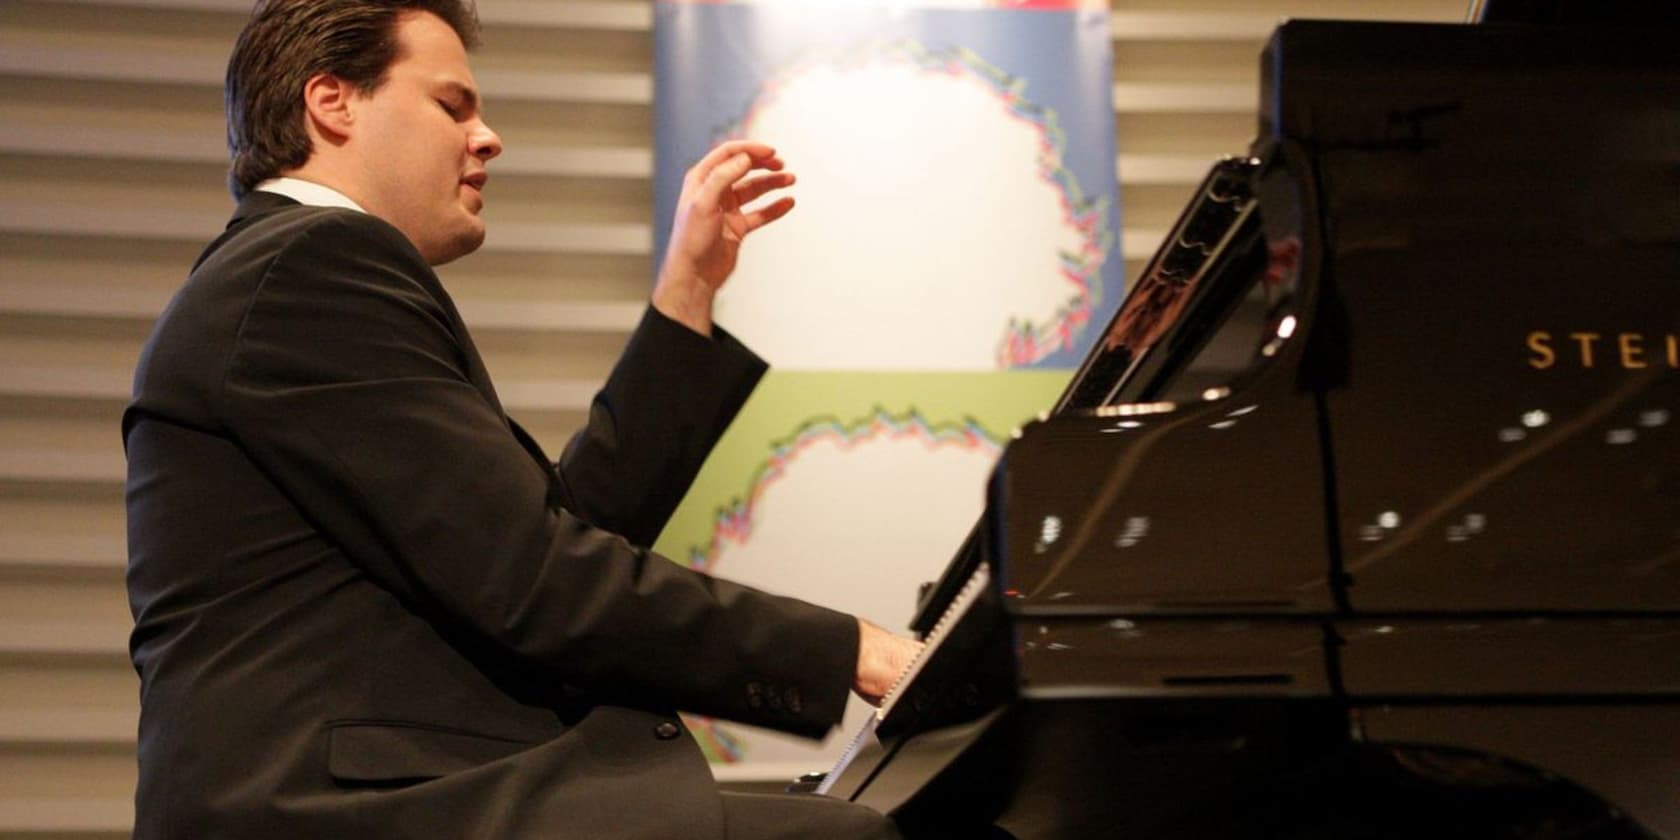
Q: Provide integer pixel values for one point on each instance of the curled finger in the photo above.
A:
(769, 213)
(747, 191)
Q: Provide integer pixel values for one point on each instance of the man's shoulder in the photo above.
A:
(304, 231)
(278, 245)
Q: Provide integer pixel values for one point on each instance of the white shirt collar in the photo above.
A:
(308, 192)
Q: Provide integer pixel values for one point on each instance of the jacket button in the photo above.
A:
(755, 695)
(666, 731)
(794, 702)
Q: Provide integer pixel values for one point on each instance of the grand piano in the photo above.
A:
(1363, 517)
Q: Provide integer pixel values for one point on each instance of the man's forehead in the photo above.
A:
(429, 48)
(423, 33)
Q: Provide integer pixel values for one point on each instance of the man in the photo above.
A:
(366, 604)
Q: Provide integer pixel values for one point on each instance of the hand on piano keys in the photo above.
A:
(882, 659)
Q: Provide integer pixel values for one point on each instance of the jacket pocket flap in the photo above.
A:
(386, 752)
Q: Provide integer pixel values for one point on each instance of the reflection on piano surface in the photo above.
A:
(1311, 546)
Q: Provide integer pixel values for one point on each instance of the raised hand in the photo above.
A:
(710, 224)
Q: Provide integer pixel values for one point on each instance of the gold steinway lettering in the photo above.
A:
(1632, 346)
(1585, 339)
(1540, 343)
(1631, 350)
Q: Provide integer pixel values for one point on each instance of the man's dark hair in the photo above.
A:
(288, 41)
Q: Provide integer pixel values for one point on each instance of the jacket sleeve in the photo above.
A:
(347, 386)
(669, 398)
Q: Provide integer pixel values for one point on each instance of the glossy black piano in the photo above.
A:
(1363, 518)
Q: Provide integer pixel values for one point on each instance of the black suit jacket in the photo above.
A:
(366, 605)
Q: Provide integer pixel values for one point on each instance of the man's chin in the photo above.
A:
(457, 247)
(466, 239)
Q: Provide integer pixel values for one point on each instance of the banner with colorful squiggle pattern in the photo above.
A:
(953, 255)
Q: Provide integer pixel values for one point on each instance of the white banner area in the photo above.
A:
(953, 254)
(934, 230)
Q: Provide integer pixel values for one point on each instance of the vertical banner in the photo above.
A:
(953, 255)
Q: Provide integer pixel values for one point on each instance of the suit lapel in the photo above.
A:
(477, 374)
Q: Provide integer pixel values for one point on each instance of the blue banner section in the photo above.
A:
(714, 60)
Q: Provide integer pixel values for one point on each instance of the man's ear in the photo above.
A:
(328, 106)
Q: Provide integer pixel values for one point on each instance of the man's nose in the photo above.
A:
(484, 142)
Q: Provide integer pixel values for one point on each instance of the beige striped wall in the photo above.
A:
(111, 172)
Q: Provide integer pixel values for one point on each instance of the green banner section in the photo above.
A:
(790, 403)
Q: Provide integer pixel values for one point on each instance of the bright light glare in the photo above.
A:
(1051, 530)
